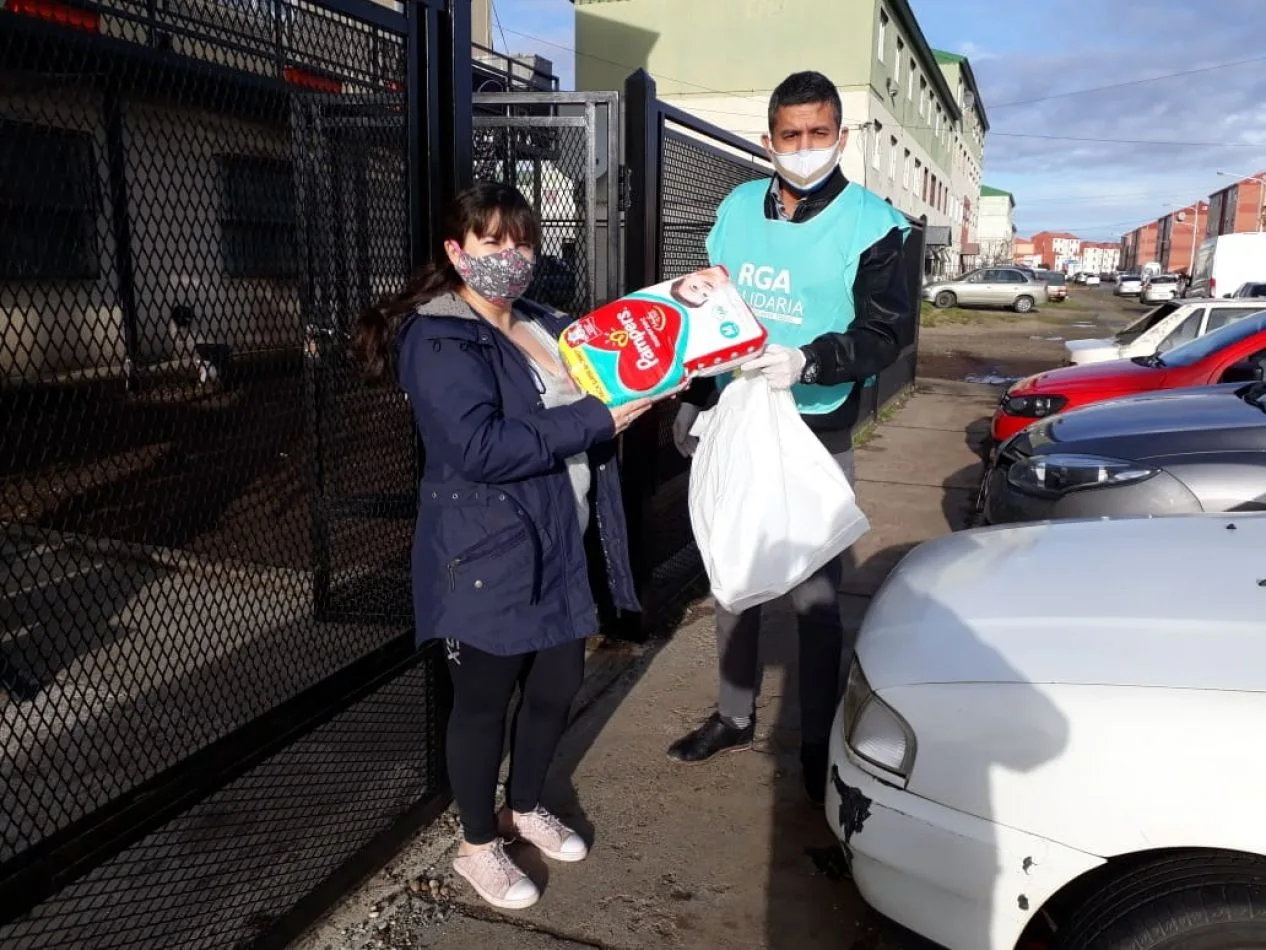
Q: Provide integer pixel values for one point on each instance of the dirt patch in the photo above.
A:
(998, 346)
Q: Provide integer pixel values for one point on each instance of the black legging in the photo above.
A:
(482, 686)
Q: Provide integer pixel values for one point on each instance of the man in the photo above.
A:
(819, 260)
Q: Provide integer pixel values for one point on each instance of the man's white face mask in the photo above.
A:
(806, 169)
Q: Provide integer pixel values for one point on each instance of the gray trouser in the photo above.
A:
(817, 606)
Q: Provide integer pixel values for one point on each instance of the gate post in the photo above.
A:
(639, 446)
(643, 127)
(438, 88)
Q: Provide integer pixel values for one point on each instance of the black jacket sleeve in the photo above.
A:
(881, 324)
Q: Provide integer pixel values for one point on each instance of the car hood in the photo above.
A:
(1205, 408)
(1112, 374)
(1172, 602)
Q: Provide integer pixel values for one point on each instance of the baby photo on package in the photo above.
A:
(652, 342)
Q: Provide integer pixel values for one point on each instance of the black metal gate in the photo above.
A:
(211, 715)
(351, 167)
(562, 150)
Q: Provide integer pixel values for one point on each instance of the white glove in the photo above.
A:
(685, 442)
(780, 365)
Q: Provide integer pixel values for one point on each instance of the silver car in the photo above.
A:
(1171, 452)
(1129, 285)
(1007, 287)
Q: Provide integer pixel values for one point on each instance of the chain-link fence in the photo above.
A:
(556, 148)
(205, 516)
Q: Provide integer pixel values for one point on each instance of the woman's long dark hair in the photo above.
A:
(486, 210)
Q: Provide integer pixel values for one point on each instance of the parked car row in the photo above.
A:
(1033, 745)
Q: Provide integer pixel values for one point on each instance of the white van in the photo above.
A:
(1161, 329)
(1225, 262)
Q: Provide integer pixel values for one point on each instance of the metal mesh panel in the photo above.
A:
(220, 874)
(695, 178)
(548, 165)
(203, 511)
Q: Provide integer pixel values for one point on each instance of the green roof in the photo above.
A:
(987, 192)
(945, 57)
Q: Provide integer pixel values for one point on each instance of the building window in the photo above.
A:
(48, 201)
(896, 64)
(923, 96)
(883, 35)
(910, 81)
(257, 218)
(905, 172)
(879, 135)
(936, 124)
(892, 159)
(921, 175)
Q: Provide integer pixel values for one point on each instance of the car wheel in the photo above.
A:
(945, 299)
(1023, 304)
(1193, 901)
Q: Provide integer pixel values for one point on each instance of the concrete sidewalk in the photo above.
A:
(728, 854)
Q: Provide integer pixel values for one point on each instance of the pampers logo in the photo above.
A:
(655, 320)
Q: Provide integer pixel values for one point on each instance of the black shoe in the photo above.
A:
(715, 735)
(813, 762)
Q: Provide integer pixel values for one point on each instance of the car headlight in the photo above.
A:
(1060, 474)
(1033, 407)
(873, 730)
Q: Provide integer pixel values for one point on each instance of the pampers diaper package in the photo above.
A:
(651, 343)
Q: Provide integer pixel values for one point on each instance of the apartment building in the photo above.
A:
(1057, 250)
(1237, 208)
(1172, 240)
(1023, 252)
(916, 123)
(996, 227)
(1100, 257)
(1179, 234)
(1139, 247)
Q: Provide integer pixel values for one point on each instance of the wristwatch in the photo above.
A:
(811, 367)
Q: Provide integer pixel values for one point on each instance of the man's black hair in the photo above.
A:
(802, 89)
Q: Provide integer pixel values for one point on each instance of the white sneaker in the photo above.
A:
(496, 878)
(550, 836)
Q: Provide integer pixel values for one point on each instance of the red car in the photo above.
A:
(1233, 353)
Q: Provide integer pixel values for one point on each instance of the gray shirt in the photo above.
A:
(561, 391)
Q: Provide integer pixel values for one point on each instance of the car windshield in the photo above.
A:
(1205, 346)
(1056, 280)
(1145, 323)
(1164, 280)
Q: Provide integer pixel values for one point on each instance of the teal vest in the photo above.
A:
(798, 277)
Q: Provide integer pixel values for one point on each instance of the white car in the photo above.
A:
(1160, 288)
(1161, 329)
(1129, 285)
(1092, 280)
(1031, 735)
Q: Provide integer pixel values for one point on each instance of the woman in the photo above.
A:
(517, 462)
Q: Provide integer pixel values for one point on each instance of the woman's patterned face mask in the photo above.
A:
(499, 278)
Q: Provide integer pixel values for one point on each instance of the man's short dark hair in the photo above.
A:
(802, 89)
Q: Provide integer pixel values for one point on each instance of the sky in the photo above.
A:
(1099, 121)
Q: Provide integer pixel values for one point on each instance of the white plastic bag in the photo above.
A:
(768, 504)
